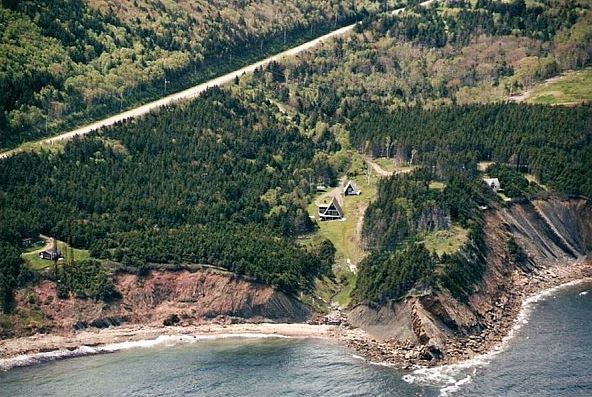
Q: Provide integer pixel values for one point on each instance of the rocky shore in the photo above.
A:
(396, 353)
(499, 324)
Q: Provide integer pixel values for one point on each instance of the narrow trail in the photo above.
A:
(523, 96)
(195, 90)
(385, 173)
(47, 246)
(378, 169)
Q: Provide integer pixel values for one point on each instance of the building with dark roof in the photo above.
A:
(330, 211)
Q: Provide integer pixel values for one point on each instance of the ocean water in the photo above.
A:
(229, 367)
(549, 354)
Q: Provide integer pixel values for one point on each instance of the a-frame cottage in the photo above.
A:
(350, 189)
(330, 211)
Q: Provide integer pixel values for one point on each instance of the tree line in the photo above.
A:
(67, 62)
(198, 182)
(552, 143)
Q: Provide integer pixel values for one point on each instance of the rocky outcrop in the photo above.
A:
(553, 233)
(192, 296)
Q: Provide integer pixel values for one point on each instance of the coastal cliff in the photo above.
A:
(169, 297)
(551, 240)
(529, 246)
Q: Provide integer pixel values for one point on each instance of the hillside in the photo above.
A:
(220, 181)
(208, 207)
(68, 62)
(428, 325)
(453, 52)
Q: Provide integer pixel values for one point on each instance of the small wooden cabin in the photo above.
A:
(350, 189)
(493, 184)
(330, 211)
(51, 254)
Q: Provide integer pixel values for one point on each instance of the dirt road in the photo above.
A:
(195, 90)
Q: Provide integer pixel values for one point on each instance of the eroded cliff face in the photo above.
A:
(192, 296)
(555, 234)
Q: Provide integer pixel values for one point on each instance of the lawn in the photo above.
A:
(483, 165)
(386, 164)
(435, 185)
(446, 241)
(32, 259)
(344, 234)
(571, 88)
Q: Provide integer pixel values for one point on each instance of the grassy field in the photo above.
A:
(572, 88)
(32, 259)
(483, 165)
(446, 241)
(533, 179)
(344, 234)
(386, 164)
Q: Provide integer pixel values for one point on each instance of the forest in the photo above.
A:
(426, 88)
(225, 180)
(488, 51)
(210, 180)
(552, 143)
(407, 208)
(67, 62)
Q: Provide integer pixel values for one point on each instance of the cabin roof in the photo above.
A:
(492, 181)
(350, 184)
(335, 203)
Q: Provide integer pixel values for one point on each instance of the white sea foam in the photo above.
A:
(163, 340)
(445, 376)
(381, 364)
(38, 358)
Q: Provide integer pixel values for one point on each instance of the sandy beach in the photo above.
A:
(43, 343)
(45, 347)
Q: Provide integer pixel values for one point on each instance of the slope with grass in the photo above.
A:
(570, 88)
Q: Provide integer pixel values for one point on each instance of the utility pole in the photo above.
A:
(165, 83)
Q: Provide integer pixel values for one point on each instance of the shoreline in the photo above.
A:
(459, 351)
(39, 348)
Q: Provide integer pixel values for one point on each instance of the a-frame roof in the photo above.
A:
(335, 203)
(349, 183)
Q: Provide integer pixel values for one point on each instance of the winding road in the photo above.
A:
(195, 90)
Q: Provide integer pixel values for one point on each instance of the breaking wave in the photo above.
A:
(163, 340)
(451, 377)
